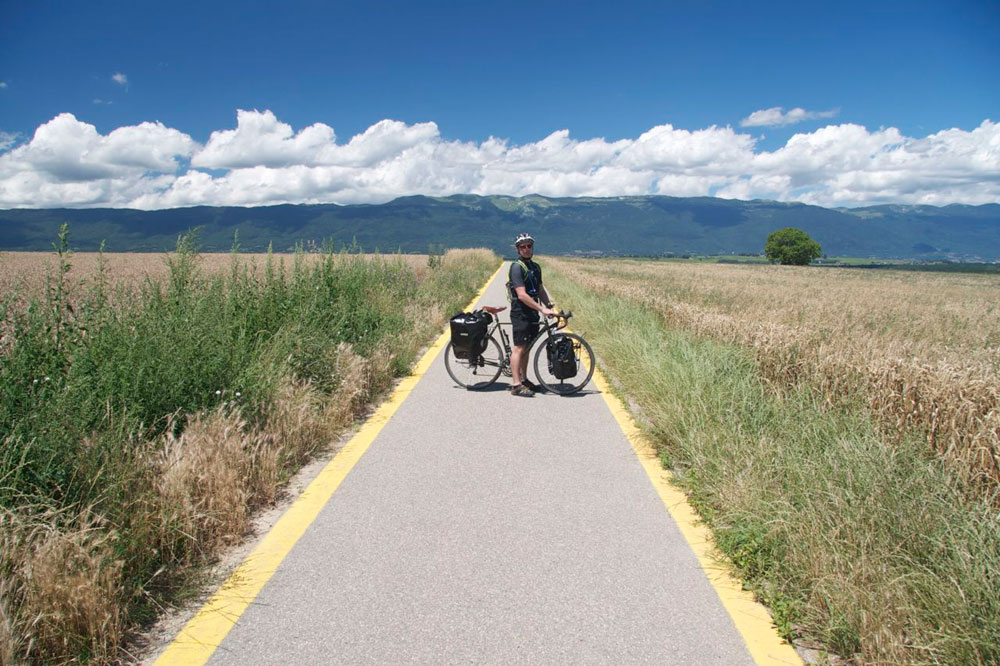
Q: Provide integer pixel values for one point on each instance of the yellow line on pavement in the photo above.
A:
(204, 633)
(751, 618)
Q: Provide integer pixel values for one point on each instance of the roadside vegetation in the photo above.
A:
(143, 421)
(836, 430)
(921, 350)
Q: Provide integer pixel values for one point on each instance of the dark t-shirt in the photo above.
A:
(532, 283)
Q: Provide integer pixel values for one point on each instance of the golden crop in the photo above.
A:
(921, 349)
(27, 271)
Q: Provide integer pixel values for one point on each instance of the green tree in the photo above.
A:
(791, 247)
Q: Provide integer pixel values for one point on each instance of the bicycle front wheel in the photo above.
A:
(475, 373)
(583, 356)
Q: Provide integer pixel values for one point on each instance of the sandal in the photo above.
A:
(533, 387)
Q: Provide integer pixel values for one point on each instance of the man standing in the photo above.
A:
(528, 298)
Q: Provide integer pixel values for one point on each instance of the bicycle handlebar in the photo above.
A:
(558, 315)
(562, 320)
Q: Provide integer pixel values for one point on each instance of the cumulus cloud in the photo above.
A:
(265, 161)
(68, 163)
(702, 151)
(776, 117)
(260, 139)
(7, 139)
(119, 78)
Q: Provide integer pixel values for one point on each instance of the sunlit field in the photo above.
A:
(149, 404)
(837, 431)
(26, 272)
(921, 349)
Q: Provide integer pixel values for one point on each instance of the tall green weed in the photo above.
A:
(98, 388)
(171, 349)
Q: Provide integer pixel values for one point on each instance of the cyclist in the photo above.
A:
(528, 298)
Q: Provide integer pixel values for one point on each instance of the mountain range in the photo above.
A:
(633, 225)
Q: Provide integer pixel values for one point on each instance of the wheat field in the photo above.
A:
(26, 272)
(757, 386)
(922, 350)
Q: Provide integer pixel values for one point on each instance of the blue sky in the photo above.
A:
(516, 72)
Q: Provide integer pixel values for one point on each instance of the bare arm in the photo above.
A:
(528, 301)
(545, 297)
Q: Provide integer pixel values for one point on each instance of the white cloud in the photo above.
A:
(67, 162)
(776, 117)
(260, 139)
(265, 161)
(672, 150)
(100, 101)
(119, 78)
(3, 84)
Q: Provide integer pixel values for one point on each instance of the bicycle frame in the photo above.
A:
(505, 340)
(476, 372)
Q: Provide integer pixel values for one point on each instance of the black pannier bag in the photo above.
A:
(468, 333)
(562, 359)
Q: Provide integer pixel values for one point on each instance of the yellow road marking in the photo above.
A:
(751, 618)
(204, 633)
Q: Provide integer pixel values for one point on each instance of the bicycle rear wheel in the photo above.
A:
(478, 373)
(582, 354)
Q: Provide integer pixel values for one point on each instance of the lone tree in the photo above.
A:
(791, 247)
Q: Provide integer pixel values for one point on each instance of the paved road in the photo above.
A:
(482, 528)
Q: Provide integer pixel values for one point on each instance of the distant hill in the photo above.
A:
(643, 225)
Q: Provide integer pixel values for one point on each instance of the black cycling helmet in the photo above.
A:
(524, 238)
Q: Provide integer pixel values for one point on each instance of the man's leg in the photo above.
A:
(523, 332)
(519, 356)
(523, 359)
(518, 364)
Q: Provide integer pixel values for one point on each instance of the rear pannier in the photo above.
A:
(468, 333)
(561, 357)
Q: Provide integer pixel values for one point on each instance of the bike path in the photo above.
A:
(481, 528)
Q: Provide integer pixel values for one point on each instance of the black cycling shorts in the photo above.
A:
(525, 327)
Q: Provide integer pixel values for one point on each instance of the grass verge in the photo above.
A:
(865, 549)
(141, 426)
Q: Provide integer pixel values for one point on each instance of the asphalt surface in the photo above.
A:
(483, 528)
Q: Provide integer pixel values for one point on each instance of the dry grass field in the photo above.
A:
(794, 406)
(27, 271)
(921, 349)
(145, 414)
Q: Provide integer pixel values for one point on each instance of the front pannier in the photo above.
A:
(562, 357)
(468, 333)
